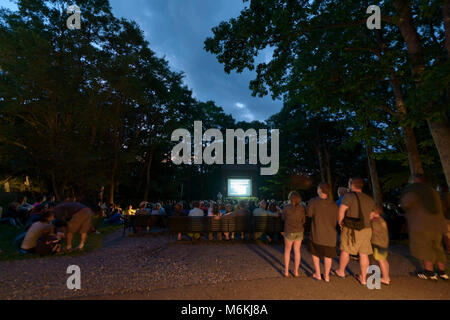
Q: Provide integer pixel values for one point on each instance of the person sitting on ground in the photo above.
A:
(323, 212)
(380, 242)
(40, 200)
(13, 213)
(78, 218)
(115, 217)
(355, 237)
(445, 199)
(51, 201)
(40, 228)
(426, 226)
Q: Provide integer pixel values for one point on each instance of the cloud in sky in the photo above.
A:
(177, 29)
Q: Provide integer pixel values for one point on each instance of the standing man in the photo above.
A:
(356, 206)
(426, 226)
(219, 197)
(78, 218)
(445, 199)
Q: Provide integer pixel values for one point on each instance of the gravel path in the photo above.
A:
(151, 267)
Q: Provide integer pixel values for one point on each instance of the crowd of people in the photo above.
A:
(352, 226)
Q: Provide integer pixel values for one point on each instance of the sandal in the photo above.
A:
(422, 275)
(358, 277)
(317, 279)
(443, 276)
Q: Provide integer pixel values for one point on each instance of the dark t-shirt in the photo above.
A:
(324, 215)
(66, 210)
(367, 206)
(423, 209)
(294, 218)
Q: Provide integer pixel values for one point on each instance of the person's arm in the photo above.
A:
(283, 213)
(310, 209)
(407, 201)
(342, 209)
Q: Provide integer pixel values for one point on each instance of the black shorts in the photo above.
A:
(321, 251)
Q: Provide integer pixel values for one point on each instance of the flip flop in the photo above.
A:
(359, 280)
(334, 273)
(317, 279)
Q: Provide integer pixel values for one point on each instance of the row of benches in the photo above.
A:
(265, 224)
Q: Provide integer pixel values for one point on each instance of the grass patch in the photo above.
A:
(10, 251)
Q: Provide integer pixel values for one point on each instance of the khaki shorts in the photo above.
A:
(80, 222)
(294, 236)
(427, 246)
(361, 244)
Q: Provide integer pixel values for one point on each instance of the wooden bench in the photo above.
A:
(264, 224)
(143, 221)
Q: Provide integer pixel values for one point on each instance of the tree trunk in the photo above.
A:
(441, 136)
(329, 179)
(55, 188)
(113, 181)
(439, 128)
(147, 174)
(375, 182)
(320, 158)
(446, 18)
(415, 162)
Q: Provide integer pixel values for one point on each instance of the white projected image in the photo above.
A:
(239, 187)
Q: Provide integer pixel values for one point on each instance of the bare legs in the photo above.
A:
(327, 264)
(83, 241)
(364, 265)
(384, 266)
(316, 261)
(287, 256)
(344, 258)
(70, 238)
(69, 241)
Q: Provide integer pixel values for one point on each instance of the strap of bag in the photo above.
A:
(360, 215)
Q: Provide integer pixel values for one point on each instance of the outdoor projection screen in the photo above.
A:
(239, 187)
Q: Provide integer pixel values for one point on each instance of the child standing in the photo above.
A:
(380, 243)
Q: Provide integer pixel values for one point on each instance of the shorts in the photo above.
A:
(427, 246)
(380, 254)
(294, 236)
(362, 243)
(321, 251)
(80, 222)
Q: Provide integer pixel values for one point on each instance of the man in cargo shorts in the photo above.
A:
(78, 218)
(354, 242)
